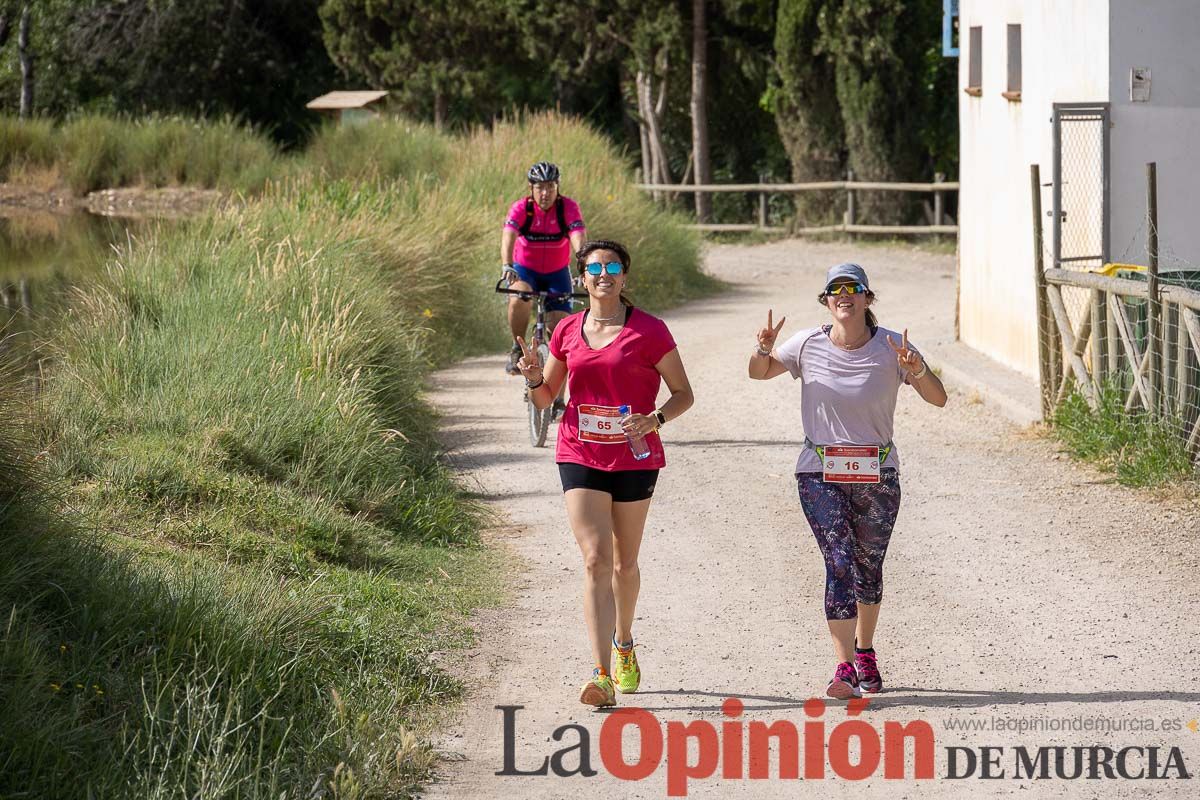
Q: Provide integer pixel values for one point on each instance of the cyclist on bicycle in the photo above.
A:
(540, 237)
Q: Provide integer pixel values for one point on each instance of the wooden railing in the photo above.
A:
(849, 224)
(1154, 358)
(1159, 366)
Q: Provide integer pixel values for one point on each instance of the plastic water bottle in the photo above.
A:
(640, 447)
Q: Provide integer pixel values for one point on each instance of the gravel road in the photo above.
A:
(1020, 588)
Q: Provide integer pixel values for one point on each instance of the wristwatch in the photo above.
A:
(661, 417)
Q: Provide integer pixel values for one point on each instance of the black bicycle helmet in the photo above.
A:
(543, 172)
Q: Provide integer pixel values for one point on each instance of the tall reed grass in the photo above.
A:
(237, 409)
(92, 151)
(386, 148)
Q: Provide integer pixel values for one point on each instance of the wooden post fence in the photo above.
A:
(1048, 348)
(1154, 307)
(762, 204)
(938, 202)
(851, 187)
(850, 205)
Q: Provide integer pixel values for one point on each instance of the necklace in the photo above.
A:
(613, 318)
(846, 346)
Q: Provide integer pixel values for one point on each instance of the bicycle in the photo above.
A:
(539, 419)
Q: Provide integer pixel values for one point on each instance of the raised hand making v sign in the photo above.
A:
(529, 364)
(768, 335)
(848, 472)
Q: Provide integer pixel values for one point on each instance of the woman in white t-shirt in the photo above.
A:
(851, 371)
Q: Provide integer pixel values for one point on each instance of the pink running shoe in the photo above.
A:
(845, 682)
(869, 678)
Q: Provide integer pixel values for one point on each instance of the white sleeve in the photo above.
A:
(789, 353)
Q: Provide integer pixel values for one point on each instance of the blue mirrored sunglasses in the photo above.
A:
(845, 288)
(612, 268)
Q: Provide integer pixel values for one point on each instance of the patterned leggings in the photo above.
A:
(852, 523)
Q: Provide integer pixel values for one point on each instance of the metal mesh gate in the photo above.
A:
(1079, 212)
(1080, 204)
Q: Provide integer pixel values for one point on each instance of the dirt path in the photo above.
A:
(1018, 587)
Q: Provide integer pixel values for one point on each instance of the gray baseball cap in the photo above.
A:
(847, 270)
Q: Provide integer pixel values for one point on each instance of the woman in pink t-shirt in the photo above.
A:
(611, 355)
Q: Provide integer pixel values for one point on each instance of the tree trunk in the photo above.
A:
(700, 107)
(439, 108)
(653, 154)
(656, 140)
(648, 172)
(26, 57)
(645, 112)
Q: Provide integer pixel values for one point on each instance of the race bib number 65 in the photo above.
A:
(600, 425)
(851, 464)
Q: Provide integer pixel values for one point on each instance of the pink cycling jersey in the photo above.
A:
(622, 373)
(544, 257)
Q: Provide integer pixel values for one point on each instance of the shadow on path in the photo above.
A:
(901, 696)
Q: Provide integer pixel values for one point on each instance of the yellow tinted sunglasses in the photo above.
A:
(846, 288)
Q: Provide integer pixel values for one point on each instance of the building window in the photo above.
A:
(975, 70)
(1014, 63)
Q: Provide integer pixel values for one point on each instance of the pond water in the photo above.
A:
(43, 258)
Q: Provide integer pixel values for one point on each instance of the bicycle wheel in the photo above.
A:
(539, 420)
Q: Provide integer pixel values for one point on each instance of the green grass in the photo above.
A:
(234, 562)
(386, 148)
(154, 674)
(1140, 449)
(26, 142)
(236, 410)
(92, 151)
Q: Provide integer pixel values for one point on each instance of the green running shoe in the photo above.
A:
(599, 691)
(626, 672)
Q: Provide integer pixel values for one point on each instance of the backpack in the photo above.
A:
(544, 237)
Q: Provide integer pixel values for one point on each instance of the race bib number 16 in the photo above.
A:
(851, 464)
(600, 425)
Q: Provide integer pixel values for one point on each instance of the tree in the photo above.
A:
(25, 53)
(25, 57)
(427, 53)
(863, 85)
(745, 140)
(259, 60)
(568, 42)
(641, 38)
(879, 47)
(700, 106)
(805, 102)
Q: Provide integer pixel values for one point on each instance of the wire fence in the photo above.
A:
(1119, 340)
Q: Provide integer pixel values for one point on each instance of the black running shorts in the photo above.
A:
(625, 486)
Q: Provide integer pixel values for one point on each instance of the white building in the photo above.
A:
(1135, 64)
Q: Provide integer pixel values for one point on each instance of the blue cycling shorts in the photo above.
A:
(559, 281)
